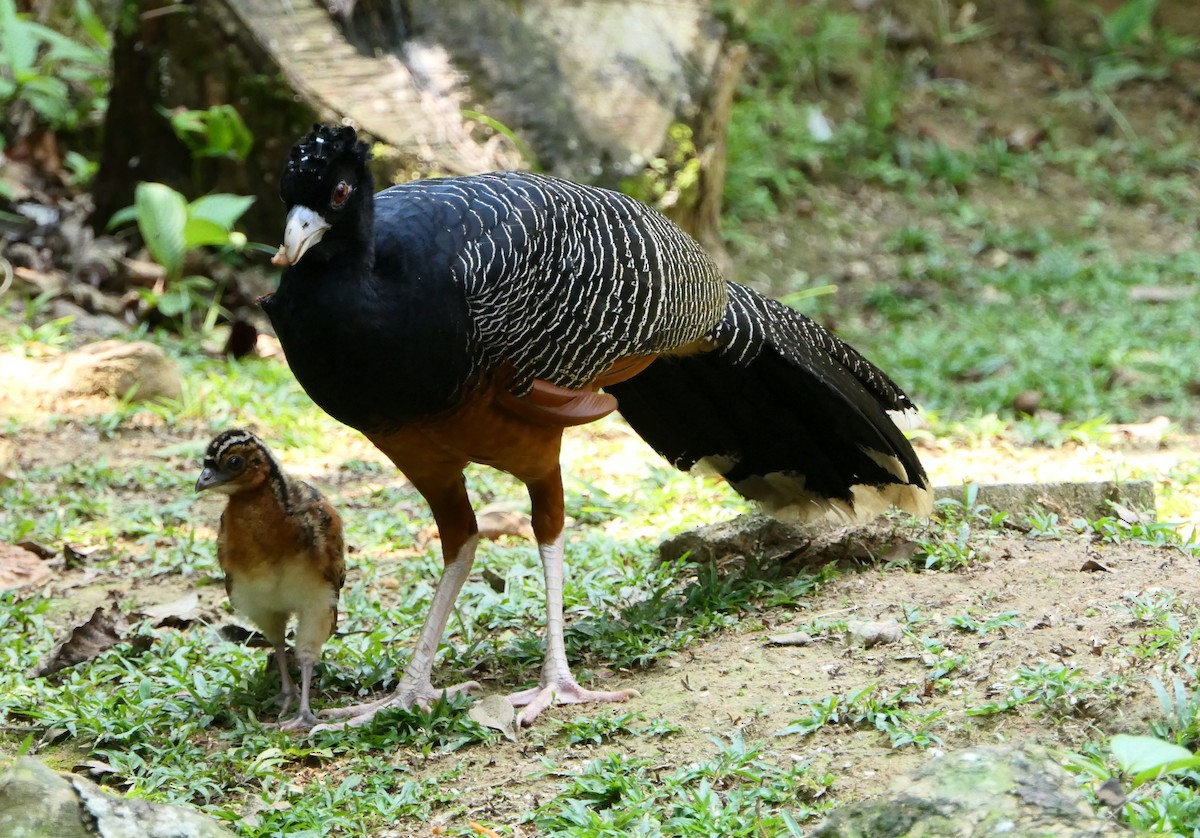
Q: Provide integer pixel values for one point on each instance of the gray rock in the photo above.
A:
(762, 536)
(981, 792)
(137, 370)
(36, 802)
(85, 323)
(1068, 500)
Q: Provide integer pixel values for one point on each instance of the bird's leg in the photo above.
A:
(287, 687)
(305, 718)
(557, 684)
(456, 524)
(314, 624)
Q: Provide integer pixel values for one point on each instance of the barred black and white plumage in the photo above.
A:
(562, 280)
(455, 280)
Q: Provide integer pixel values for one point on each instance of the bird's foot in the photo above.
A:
(285, 699)
(357, 715)
(563, 690)
(300, 723)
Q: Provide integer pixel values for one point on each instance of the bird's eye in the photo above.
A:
(341, 193)
(235, 463)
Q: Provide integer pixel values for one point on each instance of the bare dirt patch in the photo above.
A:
(738, 684)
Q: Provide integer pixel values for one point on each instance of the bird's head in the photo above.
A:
(327, 188)
(234, 462)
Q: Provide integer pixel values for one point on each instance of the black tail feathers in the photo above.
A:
(790, 415)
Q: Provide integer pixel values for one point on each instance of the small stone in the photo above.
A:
(138, 370)
(870, 634)
(794, 638)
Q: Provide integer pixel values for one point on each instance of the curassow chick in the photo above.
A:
(280, 545)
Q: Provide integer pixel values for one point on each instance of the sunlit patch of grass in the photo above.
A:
(741, 790)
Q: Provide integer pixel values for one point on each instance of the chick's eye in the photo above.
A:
(341, 193)
(235, 463)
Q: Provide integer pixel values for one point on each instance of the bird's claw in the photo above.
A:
(357, 715)
(285, 700)
(563, 691)
(303, 722)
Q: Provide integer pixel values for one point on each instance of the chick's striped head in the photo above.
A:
(235, 461)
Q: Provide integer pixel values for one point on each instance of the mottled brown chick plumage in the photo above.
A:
(280, 545)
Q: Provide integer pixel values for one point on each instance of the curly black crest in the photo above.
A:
(312, 157)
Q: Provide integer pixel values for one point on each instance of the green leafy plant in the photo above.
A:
(60, 79)
(216, 132)
(1147, 758)
(970, 622)
(865, 708)
(603, 728)
(671, 178)
(171, 227)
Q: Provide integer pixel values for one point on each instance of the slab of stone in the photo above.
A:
(37, 802)
(761, 536)
(1068, 500)
(1016, 791)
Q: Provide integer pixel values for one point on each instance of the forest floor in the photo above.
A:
(1018, 642)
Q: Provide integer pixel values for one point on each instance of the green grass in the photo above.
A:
(174, 715)
(740, 791)
(969, 304)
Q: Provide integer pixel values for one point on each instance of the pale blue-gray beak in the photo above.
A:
(304, 228)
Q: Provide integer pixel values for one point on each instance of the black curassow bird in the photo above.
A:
(472, 319)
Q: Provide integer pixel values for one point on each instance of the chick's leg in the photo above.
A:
(459, 533)
(273, 625)
(312, 630)
(557, 684)
(287, 687)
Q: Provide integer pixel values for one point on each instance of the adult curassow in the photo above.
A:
(471, 319)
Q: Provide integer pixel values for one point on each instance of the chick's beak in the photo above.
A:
(209, 478)
(304, 228)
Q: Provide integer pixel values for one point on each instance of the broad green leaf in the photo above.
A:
(92, 24)
(221, 209)
(162, 218)
(172, 304)
(121, 216)
(200, 232)
(1147, 756)
(18, 44)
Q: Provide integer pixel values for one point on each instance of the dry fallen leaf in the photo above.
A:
(495, 580)
(40, 550)
(234, 633)
(179, 613)
(496, 712)
(20, 568)
(1161, 293)
(1129, 516)
(100, 631)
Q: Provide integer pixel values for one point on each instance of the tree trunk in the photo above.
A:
(591, 90)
